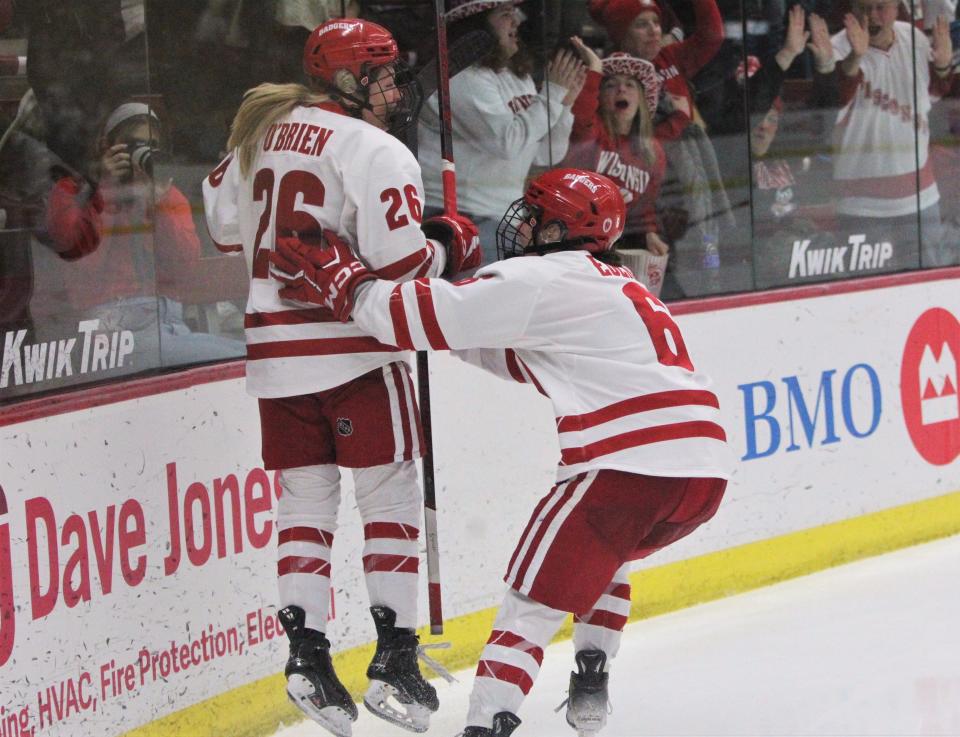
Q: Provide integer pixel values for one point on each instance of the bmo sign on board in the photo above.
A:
(803, 412)
(928, 386)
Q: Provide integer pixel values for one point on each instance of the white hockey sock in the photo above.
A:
(306, 521)
(390, 506)
(511, 659)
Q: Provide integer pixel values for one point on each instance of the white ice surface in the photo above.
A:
(870, 648)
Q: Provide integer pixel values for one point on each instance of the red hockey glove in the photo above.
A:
(460, 237)
(326, 276)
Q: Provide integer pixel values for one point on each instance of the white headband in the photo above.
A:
(124, 112)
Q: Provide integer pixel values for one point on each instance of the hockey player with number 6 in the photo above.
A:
(644, 457)
(304, 160)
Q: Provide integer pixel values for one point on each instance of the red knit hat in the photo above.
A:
(617, 15)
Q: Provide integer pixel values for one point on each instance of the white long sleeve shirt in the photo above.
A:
(587, 335)
(501, 126)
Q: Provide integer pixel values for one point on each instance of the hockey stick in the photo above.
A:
(423, 366)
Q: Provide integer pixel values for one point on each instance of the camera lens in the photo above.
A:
(142, 158)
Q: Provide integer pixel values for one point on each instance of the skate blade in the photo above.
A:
(334, 719)
(588, 726)
(380, 699)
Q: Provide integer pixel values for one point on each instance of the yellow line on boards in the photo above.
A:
(259, 708)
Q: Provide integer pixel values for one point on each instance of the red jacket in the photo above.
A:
(679, 62)
(146, 248)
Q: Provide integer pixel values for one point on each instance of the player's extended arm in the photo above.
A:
(423, 314)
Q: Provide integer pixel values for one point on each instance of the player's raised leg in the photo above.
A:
(389, 500)
(509, 664)
(306, 521)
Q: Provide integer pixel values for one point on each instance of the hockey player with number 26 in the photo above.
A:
(644, 457)
(305, 160)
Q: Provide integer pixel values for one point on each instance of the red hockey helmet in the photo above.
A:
(361, 47)
(563, 209)
(352, 44)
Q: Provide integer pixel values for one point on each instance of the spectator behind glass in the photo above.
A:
(149, 246)
(789, 247)
(880, 139)
(696, 211)
(41, 198)
(933, 9)
(501, 123)
(613, 135)
(634, 26)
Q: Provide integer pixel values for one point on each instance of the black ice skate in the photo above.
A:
(312, 684)
(587, 704)
(394, 672)
(503, 725)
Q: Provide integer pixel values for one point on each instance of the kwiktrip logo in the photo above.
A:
(58, 561)
(90, 351)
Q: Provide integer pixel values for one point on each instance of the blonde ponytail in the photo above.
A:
(263, 106)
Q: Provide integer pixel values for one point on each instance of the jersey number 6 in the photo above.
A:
(664, 333)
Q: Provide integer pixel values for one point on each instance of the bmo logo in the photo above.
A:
(928, 386)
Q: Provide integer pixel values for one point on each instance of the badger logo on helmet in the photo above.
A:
(358, 64)
(562, 210)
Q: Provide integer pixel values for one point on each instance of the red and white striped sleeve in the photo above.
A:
(486, 312)
(420, 264)
(220, 205)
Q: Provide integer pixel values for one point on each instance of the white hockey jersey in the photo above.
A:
(587, 335)
(875, 159)
(318, 169)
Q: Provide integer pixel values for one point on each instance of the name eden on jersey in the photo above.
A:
(301, 138)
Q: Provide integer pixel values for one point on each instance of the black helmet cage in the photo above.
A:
(513, 239)
(512, 236)
(404, 112)
(407, 108)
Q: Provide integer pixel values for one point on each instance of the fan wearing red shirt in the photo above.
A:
(613, 135)
(634, 26)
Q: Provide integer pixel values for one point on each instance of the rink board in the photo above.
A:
(137, 584)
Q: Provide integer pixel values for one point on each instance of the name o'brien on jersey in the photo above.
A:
(301, 138)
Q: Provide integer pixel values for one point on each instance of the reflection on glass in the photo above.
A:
(126, 290)
(790, 173)
(941, 245)
(697, 217)
(502, 124)
(98, 246)
(882, 167)
(818, 165)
